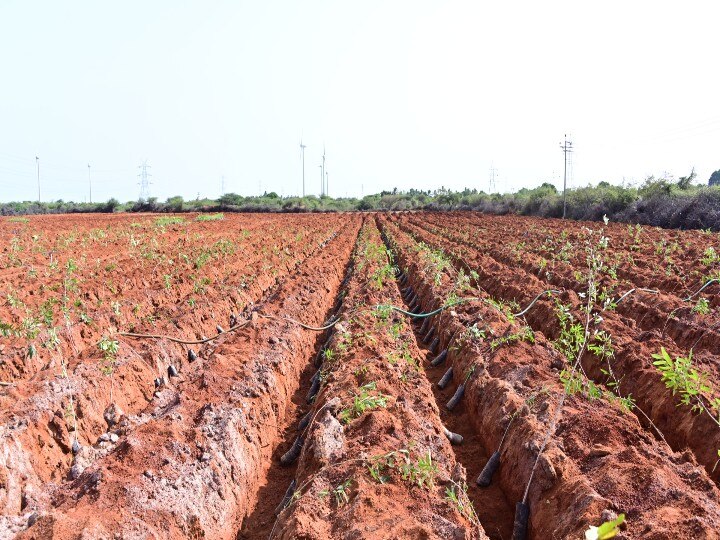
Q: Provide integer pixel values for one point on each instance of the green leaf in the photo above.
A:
(610, 528)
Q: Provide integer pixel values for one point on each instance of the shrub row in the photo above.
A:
(657, 202)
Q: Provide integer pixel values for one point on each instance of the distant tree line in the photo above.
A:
(662, 202)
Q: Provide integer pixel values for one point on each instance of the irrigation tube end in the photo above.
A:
(439, 359)
(445, 379)
(485, 477)
(454, 438)
(520, 525)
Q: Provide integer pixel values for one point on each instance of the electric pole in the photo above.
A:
(90, 183)
(566, 148)
(322, 175)
(37, 161)
(302, 149)
(144, 183)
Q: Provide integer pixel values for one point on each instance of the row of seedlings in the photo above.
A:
(570, 462)
(194, 458)
(86, 407)
(375, 460)
(683, 318)
(620, 357)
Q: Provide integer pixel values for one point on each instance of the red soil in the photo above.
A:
(200, 455)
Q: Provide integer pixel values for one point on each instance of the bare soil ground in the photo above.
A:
(275, 376)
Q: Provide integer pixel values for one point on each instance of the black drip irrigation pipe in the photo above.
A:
(703, 335)
(439, 359)
(652, 291)
(183, 341)
(457, 396)
(445, 379)
(428, 335)
(520, 524)
(287, 498)
(454, 438)
(327, 326)
(485, 477)
(289, 457)
(548, 292)
(709, 282)
(314, 387)
(304, 421)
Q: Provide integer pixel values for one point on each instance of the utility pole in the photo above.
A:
(566, 148)
(302, 149)
(144, 183)
(322, 176)
(493, 170)
(90, 183)
(37, 161)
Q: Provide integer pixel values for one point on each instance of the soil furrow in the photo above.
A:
(259, 522)
(632, 362)
(667, 310)
(190, 462)
(375, 462)
(493, 509)
(41, 425)
(586, 472)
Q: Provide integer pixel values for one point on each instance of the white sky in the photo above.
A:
(404, 94)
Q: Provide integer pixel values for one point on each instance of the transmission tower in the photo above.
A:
(566, 148)
(493, 170)
(144, 182)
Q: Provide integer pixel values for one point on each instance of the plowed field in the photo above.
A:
(401, 375)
